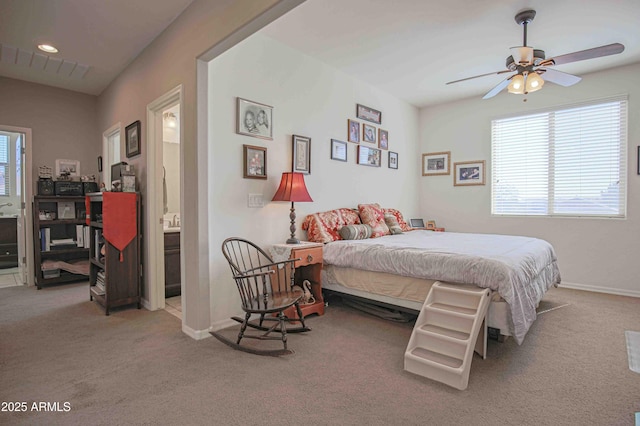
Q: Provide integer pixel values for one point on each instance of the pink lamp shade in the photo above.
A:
(292, 188)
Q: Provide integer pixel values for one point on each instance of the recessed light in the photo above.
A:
(47, 48)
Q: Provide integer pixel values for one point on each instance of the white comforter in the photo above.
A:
(520, 269)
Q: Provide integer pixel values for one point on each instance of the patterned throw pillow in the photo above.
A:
(323, 227)
(403, 225)
(355, 232)
(392, 223)
(373, 215)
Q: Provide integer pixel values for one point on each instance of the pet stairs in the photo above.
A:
(450, 326)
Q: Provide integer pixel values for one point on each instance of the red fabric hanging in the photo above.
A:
(87, 206)
(119, 219)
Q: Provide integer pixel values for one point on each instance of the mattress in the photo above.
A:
(519, 269)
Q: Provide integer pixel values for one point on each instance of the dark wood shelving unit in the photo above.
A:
(113, 282)
(58, 228)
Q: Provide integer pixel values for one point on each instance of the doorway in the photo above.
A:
(15, 211)
(164, 201)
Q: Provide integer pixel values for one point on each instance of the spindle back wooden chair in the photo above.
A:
(266, 288)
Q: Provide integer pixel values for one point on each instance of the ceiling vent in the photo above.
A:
(39, 62)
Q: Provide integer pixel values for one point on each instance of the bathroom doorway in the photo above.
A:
(171, 209)
(15, 211)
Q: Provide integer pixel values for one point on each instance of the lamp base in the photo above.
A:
(293, 241)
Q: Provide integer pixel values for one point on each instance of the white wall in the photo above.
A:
(312, 100)
(594, 254)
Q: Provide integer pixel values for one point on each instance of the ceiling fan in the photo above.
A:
(531, 69)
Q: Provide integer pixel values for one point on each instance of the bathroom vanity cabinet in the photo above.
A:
(171, 263)
(8, 242)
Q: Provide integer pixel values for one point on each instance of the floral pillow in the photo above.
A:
(373, 215)
(355, 232)
(403, 225)
(324, 227)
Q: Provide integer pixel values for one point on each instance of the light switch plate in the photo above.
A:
(255, 201)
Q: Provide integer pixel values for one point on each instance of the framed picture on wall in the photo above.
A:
(368, 133)
(132, 138)
(353, 130)
(301, 154)
(255, 162)
(369, 114)
(393, 160)
(254, 119)
(436, 163)
(468, 173)
(67, 168)
(368, 156)
(338, 150)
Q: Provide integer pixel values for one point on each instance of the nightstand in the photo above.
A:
(309, 267)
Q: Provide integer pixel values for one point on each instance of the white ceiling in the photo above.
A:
(411, 48)
(408, 48)
(102, 35)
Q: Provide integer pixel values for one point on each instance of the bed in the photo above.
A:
(399, 269)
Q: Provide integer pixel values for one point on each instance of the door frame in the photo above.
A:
(154, 245)
(27, 196)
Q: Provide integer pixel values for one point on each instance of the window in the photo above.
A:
(5, 169)
(570, 162)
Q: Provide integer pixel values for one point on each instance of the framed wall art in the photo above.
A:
(338, 150)
(301, 154)
(133, 139)
(368, 133)
(254, 119)
(353, 131)
(255, 162)
(468, 173)
(368, 156)
(369, 114)
(67, 168)
(436, 163)
(393, 160)
(383, 139)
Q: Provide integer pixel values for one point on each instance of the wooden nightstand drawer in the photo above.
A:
(308, 256)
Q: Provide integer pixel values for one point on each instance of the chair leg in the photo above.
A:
(300, 315)
(283, 329)
(243, 327)
(261, 319)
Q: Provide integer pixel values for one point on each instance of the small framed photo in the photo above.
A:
(369, 114)
(436, 163)
(338, 150)
(255, 162)
(301, 154)
(383, 139)
(468, 173)
(132, 132)
(353, 131)
(368, 156)
(368, 133)
(416, 223)
(431, 224)
(254, 119)
(67, 168)
(393, 160)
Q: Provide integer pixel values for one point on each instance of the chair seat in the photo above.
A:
(276, 301)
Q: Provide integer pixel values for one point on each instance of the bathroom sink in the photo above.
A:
(172, 229)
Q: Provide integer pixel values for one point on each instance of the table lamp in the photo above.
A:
(292, 188)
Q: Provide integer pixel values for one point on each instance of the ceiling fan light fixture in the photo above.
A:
(516, 86)
(534, 82)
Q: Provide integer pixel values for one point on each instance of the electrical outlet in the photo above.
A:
(255, 201)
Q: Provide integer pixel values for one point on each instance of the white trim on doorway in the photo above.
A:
(27, 196)
(154, 246)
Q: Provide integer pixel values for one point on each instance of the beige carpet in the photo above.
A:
(137, 367)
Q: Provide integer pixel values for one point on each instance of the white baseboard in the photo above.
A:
(219, 325)
(598, 289)
(146, 304)
(195, 334)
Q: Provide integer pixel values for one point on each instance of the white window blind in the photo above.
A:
(568, 162)
(5, 170)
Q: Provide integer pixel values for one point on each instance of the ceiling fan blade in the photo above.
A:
(481, 75)
(504, 83)
(558, 77)
(596, 52)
